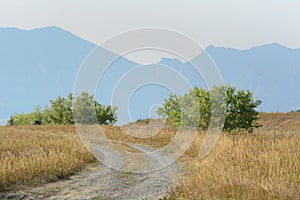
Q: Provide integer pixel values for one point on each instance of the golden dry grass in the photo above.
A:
(243, 167)
(36, 154)
(31, 155)
(261, 165)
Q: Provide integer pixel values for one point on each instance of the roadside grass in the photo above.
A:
(38, 154)
(261, 165)
(242, 167)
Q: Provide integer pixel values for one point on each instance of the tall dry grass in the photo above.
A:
(31, 155)
(242, 167)
(261, 165)
(37, 154)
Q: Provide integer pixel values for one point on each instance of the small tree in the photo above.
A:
(236, 108)
(88, 111)
(171, 110)
(20, 119)
(61, 110)
(37, 116)
(84, 109)
(241, 113)
(105, 115)
(11, 121)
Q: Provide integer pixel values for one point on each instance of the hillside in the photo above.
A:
(40, 64)
(271, 72)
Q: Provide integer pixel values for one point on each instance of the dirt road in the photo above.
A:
(101, 182)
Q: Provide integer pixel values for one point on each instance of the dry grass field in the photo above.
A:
(261, 165)
(37, 154)
(243, 167)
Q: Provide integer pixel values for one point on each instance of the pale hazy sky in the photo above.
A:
(230, 23)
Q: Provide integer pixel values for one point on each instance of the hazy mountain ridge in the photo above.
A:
(38, 65)
(41, 64)
(271, 71)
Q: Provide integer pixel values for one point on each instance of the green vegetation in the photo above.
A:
(88, 111)
(62, 110)
(236, 108)
(295, 111)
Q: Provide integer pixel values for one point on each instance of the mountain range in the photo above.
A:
(40, 64)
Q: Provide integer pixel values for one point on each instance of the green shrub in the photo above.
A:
(236, 109)
(62, 110)
(88, 111)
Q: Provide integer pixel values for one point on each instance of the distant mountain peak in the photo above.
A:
(273, 45)
(50, 28)
(40, 28)
(47, 30)
(170, 61)
(9, 28)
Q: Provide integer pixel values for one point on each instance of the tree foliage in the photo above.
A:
(88, 111)
(62, 110)
(235, 109)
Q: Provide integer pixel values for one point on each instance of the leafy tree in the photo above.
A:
(236, 108)
(19, 119)
(241, 113)
(295, 111)
(34, 118)
(105, 115)
(46, 119)
(84, 109)
(61, 111)
(11, 121)
(200, 110)
(171, 110)
(36, 115)
(88, 111)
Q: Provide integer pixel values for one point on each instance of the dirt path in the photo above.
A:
(102, 182)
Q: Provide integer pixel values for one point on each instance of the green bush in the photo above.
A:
(62, 110)
(88, 111)
(236, 108)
